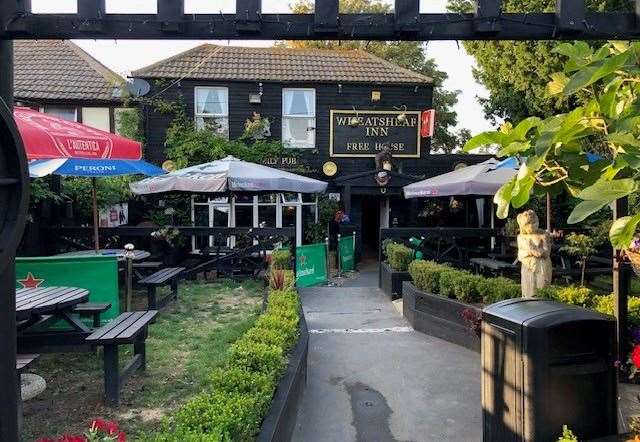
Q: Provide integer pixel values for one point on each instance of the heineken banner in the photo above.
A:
(98, 274)
(311, 265)
(346, 254)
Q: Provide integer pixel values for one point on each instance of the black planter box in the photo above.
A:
(391, 281)
(438, 316)
(280, 421)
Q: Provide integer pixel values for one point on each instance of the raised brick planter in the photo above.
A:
(438, 316)
(391, 281)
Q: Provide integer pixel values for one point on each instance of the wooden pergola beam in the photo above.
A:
(171, 16)
(407, 16)
(487, 15)
(248, 16)
(542, 26)
(571, 15)
(326, 17)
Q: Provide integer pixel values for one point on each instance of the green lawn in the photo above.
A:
(188, 340)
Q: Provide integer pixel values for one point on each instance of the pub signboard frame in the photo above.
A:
(364, 133)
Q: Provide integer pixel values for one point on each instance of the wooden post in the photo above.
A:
(326, 16)
(96, 218)
(621, 285)
(407, 14)
(8, 386)
(570, 15)
(487, 15)
(548, 212)
(248, 13)
(171, 15)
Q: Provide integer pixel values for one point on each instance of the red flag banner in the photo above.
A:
(46, 137)
(428, 123)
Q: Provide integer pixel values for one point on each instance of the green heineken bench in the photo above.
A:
(128, 328)
(168, 276)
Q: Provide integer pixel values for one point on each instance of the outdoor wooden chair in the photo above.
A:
(128, 328)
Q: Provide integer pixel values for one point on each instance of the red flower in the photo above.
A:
(122, 437)
(105, 426)
(46, 439)
(635, 356)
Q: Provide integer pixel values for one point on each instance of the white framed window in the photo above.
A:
(63, 112)
(299, 118)
(212, 109)
(97, 117)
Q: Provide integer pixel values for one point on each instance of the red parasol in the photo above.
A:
(47, 137)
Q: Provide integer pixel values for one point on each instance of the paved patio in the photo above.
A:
(372, 378)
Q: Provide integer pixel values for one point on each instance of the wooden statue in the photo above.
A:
(534, 253)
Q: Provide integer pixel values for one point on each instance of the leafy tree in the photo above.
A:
(409, 55)
(591, 152)
(581, 247)
(516, 72)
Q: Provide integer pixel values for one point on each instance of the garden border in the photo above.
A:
(438, 316)
(280, 421)
(391, 281)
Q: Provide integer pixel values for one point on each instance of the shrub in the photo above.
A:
(281, 259)
(399, 257)
(606, 304)
(242, 390)
(447, 282)
(574, 295)
(465, 287)
(229, 416)
(426, 275)
(498, 289)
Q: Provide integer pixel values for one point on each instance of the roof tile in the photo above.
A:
(238, 63)
(60, 70)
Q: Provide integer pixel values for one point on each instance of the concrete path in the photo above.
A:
(372, 378)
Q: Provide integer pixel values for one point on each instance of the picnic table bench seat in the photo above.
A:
(128, 328)
(24, 361)
(167, 276)
(93, 309)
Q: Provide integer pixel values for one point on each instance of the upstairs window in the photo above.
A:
(299, 118)
(212, 109)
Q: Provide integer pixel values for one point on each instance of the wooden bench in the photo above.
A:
(168, 276)
(145, 268)
(92, 309)
(128, 328)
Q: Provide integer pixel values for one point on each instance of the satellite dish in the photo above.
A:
(138, 87)
(169, 166)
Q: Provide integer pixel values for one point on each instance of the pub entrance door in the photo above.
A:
(370, 205)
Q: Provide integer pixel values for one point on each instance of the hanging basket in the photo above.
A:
(634, 259)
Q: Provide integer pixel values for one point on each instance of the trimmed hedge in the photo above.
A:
(585, 297)
(242, 390)
(399, 256)
(440, 279)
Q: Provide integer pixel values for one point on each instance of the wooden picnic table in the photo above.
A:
(138, 255)
(36, 302)
(493, 265)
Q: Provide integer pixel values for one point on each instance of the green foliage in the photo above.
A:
(426, 275)
(110, 191)
(281, 259)
(241, 392)
(606, 304)
(556, 148)
(432, 277)
(511, 227)
(188, 146)
(41, 191)
(129, 124)
(447, 282)
(315, 233)
(327, 209)
(516, 73)
(466, 287)
(567, 435)
(407, 54)
(399, 257)
(574, 295)
(493, 290)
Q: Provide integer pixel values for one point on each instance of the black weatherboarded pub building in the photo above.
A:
(336, 110)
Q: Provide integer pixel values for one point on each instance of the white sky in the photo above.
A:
(123, 56)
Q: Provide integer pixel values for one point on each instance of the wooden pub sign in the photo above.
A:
(365, 133)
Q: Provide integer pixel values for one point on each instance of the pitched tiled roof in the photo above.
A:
(281, 65)
(60, 70)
